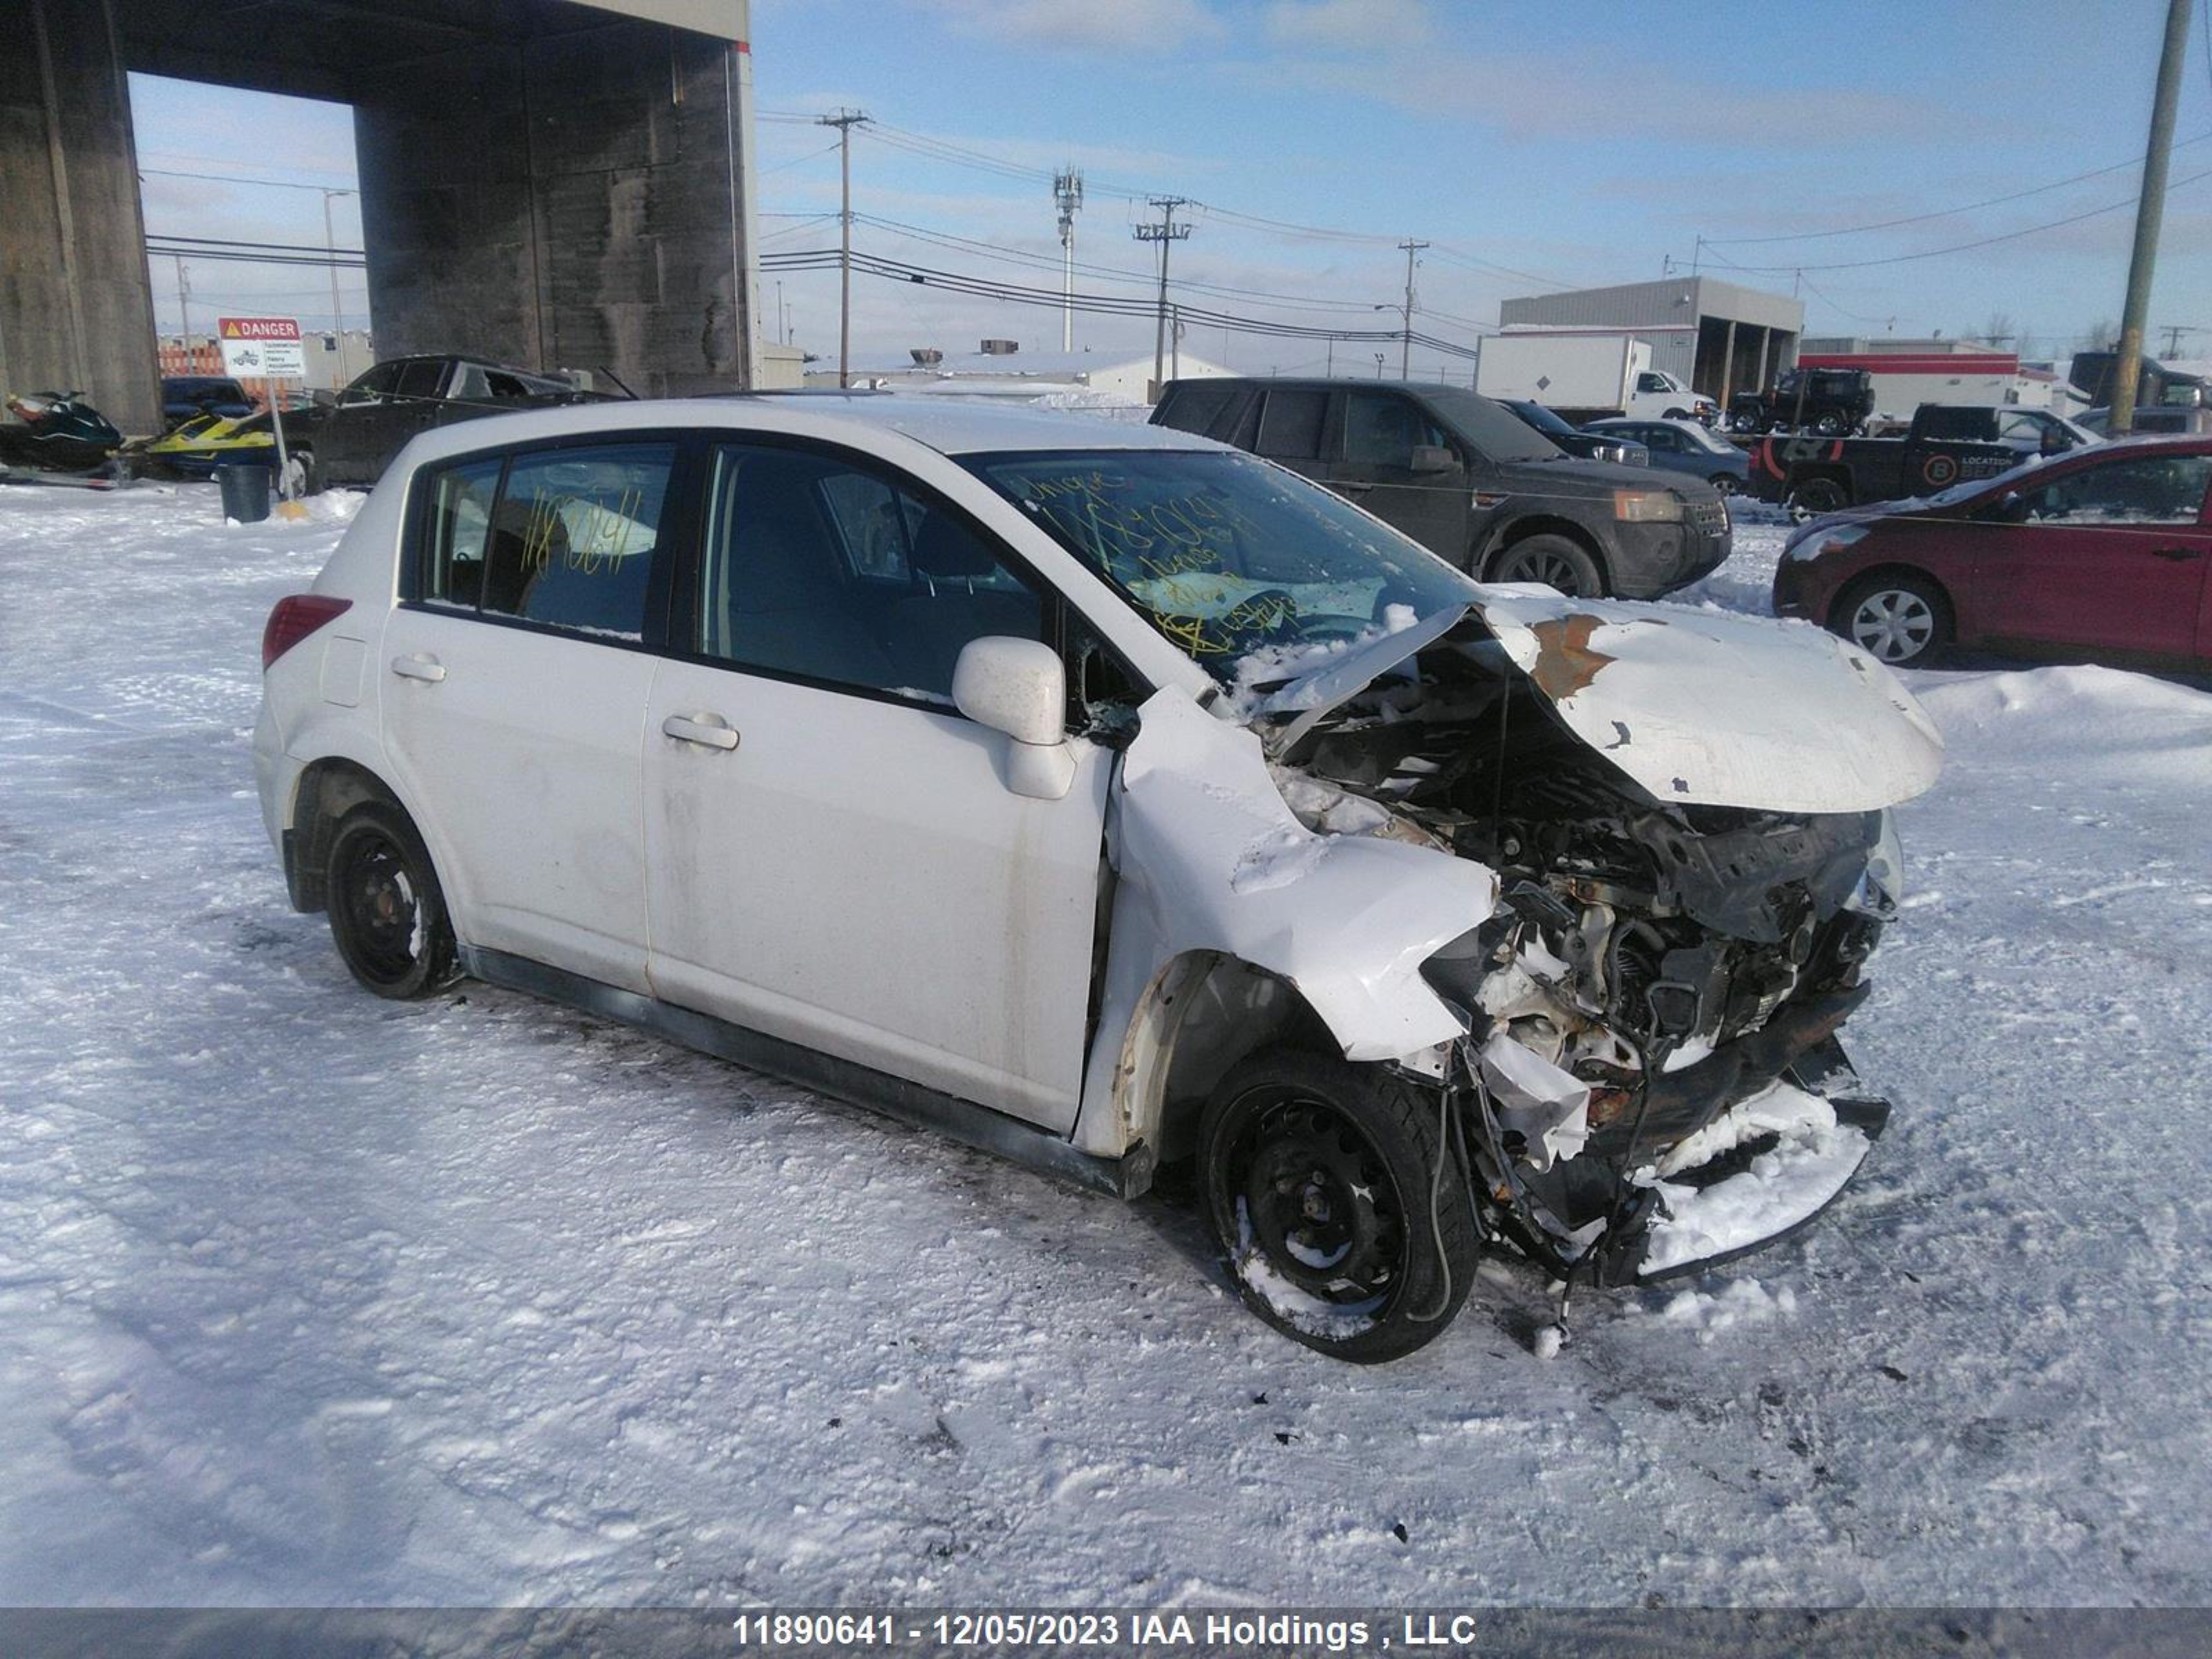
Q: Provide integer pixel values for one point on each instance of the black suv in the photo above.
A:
(350, 439)
(1466, 479)
(1833, 402)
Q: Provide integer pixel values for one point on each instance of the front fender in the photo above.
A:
(1212, 860)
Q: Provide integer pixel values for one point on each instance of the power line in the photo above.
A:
(1941, 213)
(1960, 247)
(1101, 304)
(234, 242)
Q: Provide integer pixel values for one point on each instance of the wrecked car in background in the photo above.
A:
(1102, 796)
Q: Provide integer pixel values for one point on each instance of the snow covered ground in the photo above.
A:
(308, 1297)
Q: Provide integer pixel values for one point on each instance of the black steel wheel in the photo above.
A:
(1551, 560)
(1819, 495)
(1318, 1176)
(387, 913)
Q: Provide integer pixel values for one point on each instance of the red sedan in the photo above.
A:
(2102, 554)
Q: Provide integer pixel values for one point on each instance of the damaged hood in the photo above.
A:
(1704, 708)
(1697, 707)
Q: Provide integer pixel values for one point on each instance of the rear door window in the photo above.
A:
(421, 378)
(574, 535)
(1290, 425)
(1381, 428)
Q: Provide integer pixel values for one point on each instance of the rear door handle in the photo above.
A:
(419, 667)
(1351, 486)
(707, 730)
(2177, 553)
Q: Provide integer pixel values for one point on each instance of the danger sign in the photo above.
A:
(262, 347)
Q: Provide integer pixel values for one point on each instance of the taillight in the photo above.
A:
(296, 615)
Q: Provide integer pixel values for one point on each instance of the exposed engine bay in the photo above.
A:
(1650, 966)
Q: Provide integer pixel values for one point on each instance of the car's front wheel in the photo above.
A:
(1551, 560)
(387, 912)
(1345, 1216)
(1895, 617)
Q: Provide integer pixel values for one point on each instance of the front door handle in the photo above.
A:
(2177, 553)
(707, 730)
(419, 667)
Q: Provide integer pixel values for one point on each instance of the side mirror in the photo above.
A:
(1433, 458)
(1019, 687)
(2011, 507)
(323, 397)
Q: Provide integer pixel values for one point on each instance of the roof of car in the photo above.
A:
(950, 426)
(1308, 382)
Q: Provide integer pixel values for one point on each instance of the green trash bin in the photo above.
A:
(246, 491)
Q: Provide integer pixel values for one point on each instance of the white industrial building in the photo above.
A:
(1078, 379)
(1715, 337)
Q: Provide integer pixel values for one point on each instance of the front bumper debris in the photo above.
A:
(1756, 1175)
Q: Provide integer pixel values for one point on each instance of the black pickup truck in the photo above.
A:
(1947, 443)
(350, 439)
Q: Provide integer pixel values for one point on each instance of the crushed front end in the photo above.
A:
(1651, 1080)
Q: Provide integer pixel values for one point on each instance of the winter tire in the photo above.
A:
(1819, 495)
(1551, 560)
(1898, 619)
(1323, 1185)
(387, 912)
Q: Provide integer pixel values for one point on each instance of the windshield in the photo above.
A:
(1225, 553)
(1542, 419)
(1497, 433)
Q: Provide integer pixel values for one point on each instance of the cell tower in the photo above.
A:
(1067, 192)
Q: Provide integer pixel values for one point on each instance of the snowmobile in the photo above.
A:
(59, 432)
(205, 442)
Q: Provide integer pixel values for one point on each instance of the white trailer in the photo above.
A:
(1582, 374)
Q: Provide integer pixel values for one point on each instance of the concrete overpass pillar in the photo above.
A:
(77, 306)
(575, 200)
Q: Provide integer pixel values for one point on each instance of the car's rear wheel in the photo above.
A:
(1819, 495)
(1897, 619)
(1827, 424)
(1551, 560)
(1345, 1219)
(1725, 483)
(387, 912)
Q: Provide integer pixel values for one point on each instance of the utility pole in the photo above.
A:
(1068, 196)
(1166, 231)
(1406, 356)
(2173, 333)
(2150, 210)
(338, 375)
(844, 120)
(184, 312)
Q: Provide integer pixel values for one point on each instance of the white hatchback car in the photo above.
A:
(1102, 796)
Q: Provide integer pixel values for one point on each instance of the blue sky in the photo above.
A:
(1583, 144)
